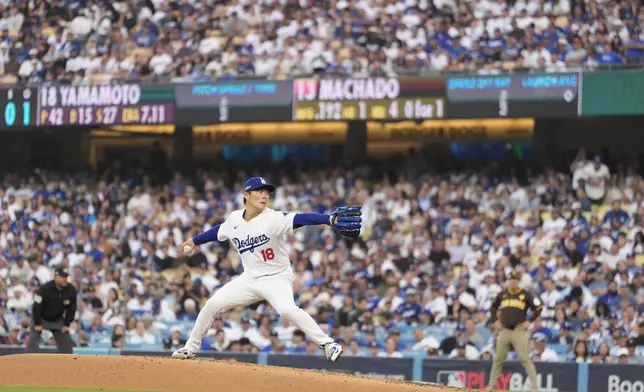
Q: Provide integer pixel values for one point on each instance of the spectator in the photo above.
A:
(285, 330)
(276, 346)
(140, 335)
(638, 339)
(175, 341)
(374, 350)
(298, 343)
(353, 349)
(13, 336)
(633, 357)
(409, 310)
(580, 352)
(348, 314)
(422, 343)
(437, 303)
(118, 337)
(472, 335)
(390, 350)
(541, 352)
(312, 349)
(595, 177)
(602, 354)
(449, 343)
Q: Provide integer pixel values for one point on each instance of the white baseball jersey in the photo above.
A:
(261, 243)
(600, 176)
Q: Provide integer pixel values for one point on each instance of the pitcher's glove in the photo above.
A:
(347, 221)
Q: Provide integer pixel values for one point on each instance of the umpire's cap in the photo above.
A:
(254, 183)
(514, 275)
(62, 272)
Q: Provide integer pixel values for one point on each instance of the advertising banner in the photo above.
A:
(613, 93)
(452, 130)
(615, 378)
(13, 350)
(392, 368)
(552, 377)
(269, 133)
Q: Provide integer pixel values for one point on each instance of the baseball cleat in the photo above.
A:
(333, 351)
(183, 353)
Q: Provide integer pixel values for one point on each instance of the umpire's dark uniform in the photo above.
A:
(511, 307)
(54, 309)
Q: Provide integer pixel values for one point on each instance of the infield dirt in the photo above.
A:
(164, 374)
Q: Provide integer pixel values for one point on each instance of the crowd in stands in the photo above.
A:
(181, 41)
(435, 250)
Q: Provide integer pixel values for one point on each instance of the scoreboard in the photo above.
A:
(307, 99)
(385, 99)
(118, 104)
(19, 107)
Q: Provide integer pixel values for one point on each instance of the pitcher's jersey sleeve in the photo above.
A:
(282, 222)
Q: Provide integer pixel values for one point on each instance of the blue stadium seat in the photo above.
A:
(560, 349)
(100, 345)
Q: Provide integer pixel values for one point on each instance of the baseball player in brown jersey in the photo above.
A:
(511, 308)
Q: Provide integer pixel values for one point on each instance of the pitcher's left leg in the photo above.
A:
(278, 291)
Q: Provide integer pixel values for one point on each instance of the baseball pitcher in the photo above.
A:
(259, 234)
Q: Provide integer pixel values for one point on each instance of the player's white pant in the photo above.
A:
(246, 290)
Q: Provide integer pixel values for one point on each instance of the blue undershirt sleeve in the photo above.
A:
(208, 236)
(310, 219)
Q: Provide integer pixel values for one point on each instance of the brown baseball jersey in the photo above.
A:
(512, 308)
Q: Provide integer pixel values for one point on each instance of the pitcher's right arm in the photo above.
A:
(217, 233)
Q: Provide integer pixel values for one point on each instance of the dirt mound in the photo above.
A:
(165, 374)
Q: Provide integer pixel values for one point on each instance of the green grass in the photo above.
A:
(43, 389)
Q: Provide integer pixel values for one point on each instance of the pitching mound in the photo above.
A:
(165, 374)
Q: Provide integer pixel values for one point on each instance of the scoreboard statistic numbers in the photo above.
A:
(234, 101)
(361, 99)
(18, 107)
(517, 95)
(118, 104)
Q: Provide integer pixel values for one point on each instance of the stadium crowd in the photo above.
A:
(434, 251)
(189, 40)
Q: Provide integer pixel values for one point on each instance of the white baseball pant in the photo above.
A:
(246, 290)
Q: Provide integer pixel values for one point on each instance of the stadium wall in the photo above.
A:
(553, 377)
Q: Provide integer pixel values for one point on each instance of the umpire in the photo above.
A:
(54, 309)
(511, 308)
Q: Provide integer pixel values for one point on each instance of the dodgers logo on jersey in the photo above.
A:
(250, 243)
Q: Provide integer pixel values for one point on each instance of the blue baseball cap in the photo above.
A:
(255, 183)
